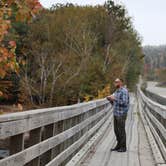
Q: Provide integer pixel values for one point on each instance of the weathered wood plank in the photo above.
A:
(48, 132)
(155, 150)
(42, 112)
(133, 145)
(57, 129)
(62, 156)
(35, 138)
(157, 123)
(157, 137)
(77, 159)
(158, 108)
(38, 149)
(102, 156)
(31, 122)
(151, 119)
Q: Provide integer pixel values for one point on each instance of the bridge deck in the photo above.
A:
(138, 153)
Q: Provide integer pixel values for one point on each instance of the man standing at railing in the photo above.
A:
(120, 101)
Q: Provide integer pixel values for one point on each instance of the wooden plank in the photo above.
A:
(145, 153)
(57, 129)
(157, 138)
(158, 108)
(67, 143)
(60, 158)
(35, 138)
(102, 156)
(42, 112)
(81, 155)
(16, 127)
(133, 145)
(157, 123)
(48, 132)
(155, 150)
(159, 126)
(38, 149)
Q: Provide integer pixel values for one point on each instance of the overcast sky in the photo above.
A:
(149, 16)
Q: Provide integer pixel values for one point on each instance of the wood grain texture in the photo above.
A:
(17, 123)
(36, 150)
(138, 150)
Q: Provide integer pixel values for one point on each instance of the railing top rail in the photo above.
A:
(17, 123)
(161, 109)
(45, 111)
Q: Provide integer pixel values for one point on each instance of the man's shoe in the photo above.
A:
(121, 150)
(115, 149)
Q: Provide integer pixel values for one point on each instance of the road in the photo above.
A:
(151, 86)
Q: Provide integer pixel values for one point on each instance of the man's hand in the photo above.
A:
(111, 98)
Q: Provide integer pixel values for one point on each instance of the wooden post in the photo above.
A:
(71, 125)
(48, 132)
(55, 151)
(58, 128)
(67, 124)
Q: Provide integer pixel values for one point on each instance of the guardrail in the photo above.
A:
(154, 120)
(51, 136)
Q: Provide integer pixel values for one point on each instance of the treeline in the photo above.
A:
(155, 62)
(71, 53)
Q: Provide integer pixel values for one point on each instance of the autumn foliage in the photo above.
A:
(22, 11)
(25, 10)
(71, 53)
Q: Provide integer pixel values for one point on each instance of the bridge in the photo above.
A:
(82, 135)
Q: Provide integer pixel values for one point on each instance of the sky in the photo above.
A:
(148, 16)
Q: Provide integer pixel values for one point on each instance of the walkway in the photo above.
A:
(139, 152)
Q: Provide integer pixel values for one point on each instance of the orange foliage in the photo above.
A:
(26, 10)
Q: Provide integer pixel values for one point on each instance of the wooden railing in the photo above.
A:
(51, 136)
(154, 119)
(155, 97)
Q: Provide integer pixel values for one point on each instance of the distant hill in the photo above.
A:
(155, 56)
(155, 63)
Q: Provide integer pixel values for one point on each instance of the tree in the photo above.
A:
(71, 55)
(13, 10)
(155, 60)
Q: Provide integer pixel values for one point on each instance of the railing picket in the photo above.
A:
(61, 129)
(35, 137)
(55, 151)
(48, 132)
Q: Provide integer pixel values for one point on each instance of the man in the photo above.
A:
(120, 101)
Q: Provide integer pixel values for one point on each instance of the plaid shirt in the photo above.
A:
(121, 102)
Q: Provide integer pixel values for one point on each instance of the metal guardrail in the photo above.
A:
(52, 136)
(154, 120)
